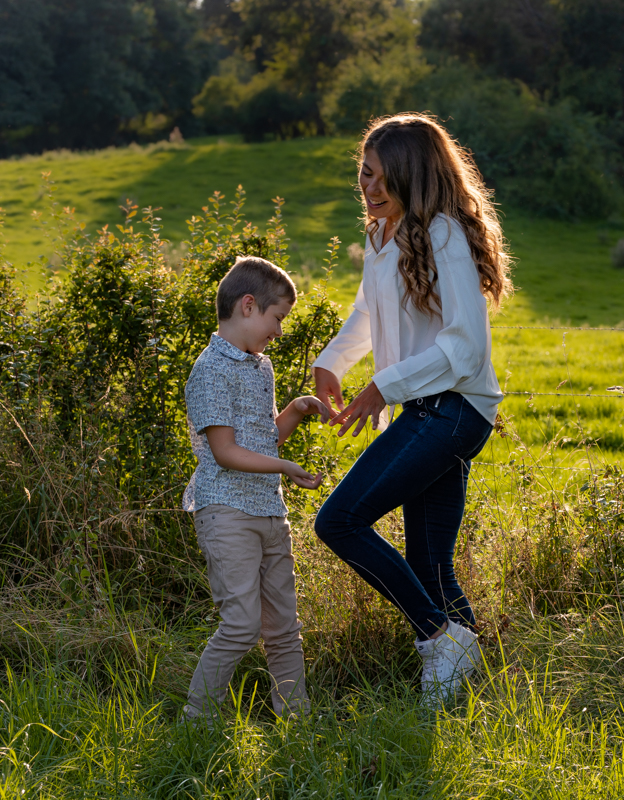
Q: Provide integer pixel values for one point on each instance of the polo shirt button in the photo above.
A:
(277, 440)
(213, 516)
(274, 492)
(422, 414)
(266, 390)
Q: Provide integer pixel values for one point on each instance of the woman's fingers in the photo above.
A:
(348, 417)
(351, 418)
(360, 425)
(368, 403)
(338, 397)
(326, 399)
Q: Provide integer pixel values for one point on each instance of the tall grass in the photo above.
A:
(94, 679)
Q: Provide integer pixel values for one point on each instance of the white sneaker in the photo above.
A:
(447, 661)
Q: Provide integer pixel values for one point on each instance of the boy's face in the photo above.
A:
(261, 328)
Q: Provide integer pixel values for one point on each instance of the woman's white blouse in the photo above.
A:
(417, 355)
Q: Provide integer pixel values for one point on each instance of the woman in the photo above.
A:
(434, 253)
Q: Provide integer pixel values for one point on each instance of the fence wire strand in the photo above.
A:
(552, 328)
(618, 393)
(532, 467)
(614, 396)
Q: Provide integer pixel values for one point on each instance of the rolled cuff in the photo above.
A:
(225, 421)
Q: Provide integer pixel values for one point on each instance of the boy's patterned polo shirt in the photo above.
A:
(236, 389)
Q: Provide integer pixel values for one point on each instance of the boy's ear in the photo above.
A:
(247, 302)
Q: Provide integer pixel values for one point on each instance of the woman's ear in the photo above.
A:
(248, 302)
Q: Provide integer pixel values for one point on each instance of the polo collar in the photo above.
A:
(229, 350)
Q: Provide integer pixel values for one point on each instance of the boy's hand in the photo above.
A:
(312, 405)
(300, 477)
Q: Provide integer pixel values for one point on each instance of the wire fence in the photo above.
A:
(553, 328)
(556, 467)
(616, 393)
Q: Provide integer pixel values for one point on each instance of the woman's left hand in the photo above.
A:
(368, 403)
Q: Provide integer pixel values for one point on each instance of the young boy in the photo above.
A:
(235, 493)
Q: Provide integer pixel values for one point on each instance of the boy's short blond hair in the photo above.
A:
(267, 283)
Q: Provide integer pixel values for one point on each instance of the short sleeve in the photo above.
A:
(209, 398)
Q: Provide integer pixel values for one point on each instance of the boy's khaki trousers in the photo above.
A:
(250, 568)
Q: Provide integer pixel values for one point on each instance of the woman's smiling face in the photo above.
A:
(379, 204)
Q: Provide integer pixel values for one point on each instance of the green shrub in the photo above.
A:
(264, 105)
(92, 381)
(364, 88)
(548, 158)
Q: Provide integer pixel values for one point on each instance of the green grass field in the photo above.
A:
(563, 271)
(93, 682)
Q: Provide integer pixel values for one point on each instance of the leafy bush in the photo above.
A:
(550, 159)
(364, 88)
(264, 105)
(92, 380)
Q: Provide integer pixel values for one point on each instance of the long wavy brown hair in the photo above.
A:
(428, 173)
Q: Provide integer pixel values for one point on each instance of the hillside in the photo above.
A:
(563, 271)
(563, 268)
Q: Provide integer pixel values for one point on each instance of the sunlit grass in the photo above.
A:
(90, 697)
(510, 737)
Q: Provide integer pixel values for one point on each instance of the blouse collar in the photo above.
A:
(390, 244)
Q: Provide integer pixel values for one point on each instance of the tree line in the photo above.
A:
(534, 87)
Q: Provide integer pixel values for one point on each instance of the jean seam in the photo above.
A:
(396, 602)
(431, 570)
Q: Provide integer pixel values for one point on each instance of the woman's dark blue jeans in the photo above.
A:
(421, 462)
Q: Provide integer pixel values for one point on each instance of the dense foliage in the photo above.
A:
(81, 74)
(92, 380)
(534, 87)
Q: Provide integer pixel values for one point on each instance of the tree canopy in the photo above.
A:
(534, 87)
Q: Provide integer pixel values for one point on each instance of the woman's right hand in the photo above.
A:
(328, 385)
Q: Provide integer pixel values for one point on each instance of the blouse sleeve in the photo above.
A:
(351, 344)
(461, 346)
